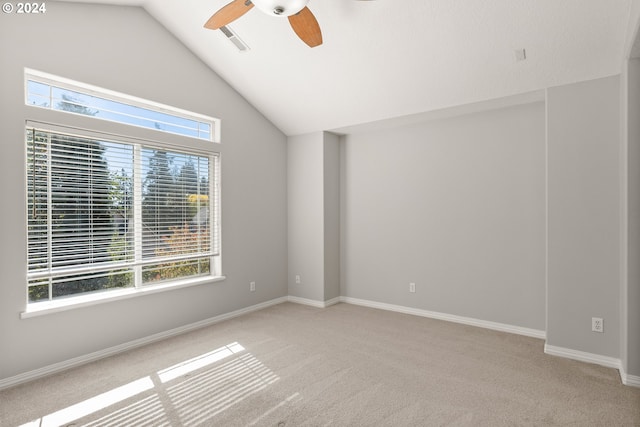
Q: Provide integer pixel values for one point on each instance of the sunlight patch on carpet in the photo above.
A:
(196, 390)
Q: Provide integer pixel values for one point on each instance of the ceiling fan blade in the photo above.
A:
(306, 27)
(228, 14)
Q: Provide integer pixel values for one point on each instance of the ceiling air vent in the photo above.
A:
(242, 46)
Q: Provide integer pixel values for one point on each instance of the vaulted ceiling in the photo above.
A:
(386, 59)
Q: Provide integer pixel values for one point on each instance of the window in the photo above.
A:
(50, 92)
(108, 212)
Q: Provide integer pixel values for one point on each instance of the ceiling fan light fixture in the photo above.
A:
(280, 7)
(300, 18)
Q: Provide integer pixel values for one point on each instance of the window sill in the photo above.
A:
(48, 307)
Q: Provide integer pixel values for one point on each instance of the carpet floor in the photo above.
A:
(346, 365)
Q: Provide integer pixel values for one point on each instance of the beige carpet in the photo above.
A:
(293, 365)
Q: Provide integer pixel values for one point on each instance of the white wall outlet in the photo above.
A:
(298, 279)
(252, 286)
(597, 324)
(412, 287)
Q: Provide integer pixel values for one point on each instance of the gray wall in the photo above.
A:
(331, 166)
(305, 201)
(456, 206)
(631, 356)
(124, 49)
(313, 179)
(584, 200)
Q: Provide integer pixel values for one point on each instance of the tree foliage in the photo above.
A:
(72, 105)
(183, 240)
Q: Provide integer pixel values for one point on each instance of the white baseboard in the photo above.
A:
(583, 356)
(630, 380)
(91, 357)
(312, 302)
(333, 301)
(609, 362)
(535, 333)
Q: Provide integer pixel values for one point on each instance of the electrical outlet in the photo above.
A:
(412, 287)
(597, 324)
(298, 279)
(252, 286)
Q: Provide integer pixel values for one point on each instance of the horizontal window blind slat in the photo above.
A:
(62, 271)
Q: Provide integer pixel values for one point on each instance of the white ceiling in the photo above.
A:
(388, 59)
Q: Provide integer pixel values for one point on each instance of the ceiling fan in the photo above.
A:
(301, 19)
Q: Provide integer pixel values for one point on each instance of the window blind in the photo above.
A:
(105, 214)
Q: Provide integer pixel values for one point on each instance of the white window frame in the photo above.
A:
(62, 121)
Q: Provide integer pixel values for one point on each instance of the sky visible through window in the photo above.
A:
(57, 98)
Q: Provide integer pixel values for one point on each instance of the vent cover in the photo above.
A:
(228, 32)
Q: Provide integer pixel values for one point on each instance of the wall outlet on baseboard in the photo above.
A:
(298, 279)
(412, 287)
(252, 286)
(597, 324)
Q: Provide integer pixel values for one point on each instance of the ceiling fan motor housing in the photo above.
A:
(280, 7)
